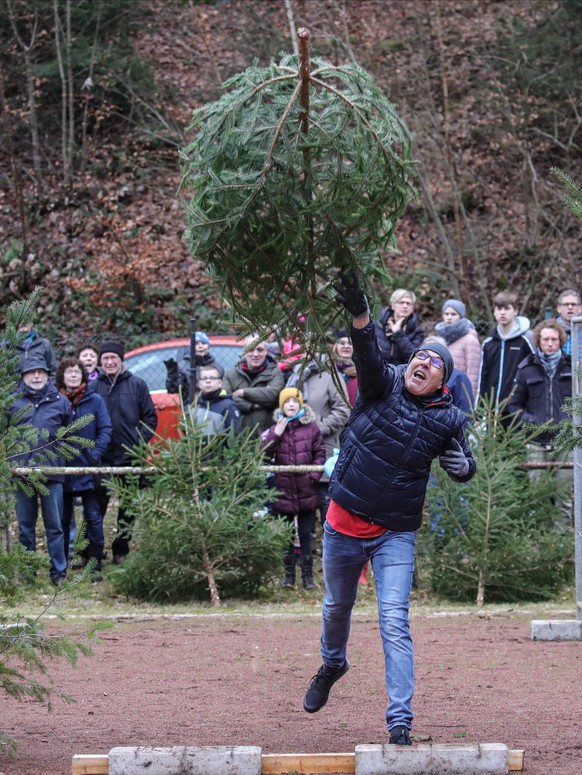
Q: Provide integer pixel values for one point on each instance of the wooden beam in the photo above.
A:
(308, 763)
(515, 760)
(276, 763)
(90, 765)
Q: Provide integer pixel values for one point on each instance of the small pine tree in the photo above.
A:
(197, 532)
(24, 650)
(494, 538)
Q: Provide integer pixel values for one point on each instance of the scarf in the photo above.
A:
(347, 369)
(297, 416)
(74, 395)
(453, 331)
(549, 362)
(253, 372)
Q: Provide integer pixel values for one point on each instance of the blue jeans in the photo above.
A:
(92, 520)
(52, 509)
(392, 559)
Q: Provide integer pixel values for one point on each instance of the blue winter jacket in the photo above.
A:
(390, 442)
(47, 410)
(216, 412)
(97, 430)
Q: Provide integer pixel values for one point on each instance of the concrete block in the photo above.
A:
(185, 760)
(558, 629)
(438, 759)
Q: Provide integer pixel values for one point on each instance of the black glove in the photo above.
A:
(454, 461)
(351, 295)
(172, 367)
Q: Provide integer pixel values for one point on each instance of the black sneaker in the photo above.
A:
(320, 686)
(400, 736)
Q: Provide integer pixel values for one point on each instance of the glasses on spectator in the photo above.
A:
(208, 379)
(569, 304)
(70, 372)
(435, 361)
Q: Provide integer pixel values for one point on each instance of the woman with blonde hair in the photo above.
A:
(398, 329)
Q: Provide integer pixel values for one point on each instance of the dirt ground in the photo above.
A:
(240, 680)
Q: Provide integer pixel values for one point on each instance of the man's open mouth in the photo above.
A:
(418, 374)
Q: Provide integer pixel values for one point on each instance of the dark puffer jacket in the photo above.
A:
(537, 398)
(397, 348)
(300, 444)
(390, 442)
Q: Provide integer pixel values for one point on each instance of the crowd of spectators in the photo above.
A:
(525, 373)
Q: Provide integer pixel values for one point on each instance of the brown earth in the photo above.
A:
(228, 679)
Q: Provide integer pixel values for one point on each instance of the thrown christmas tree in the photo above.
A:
(301, 169)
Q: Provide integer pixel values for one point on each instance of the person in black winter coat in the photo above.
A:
(33, 346)
(179, 374)
(398, 329)
(543, 382)
(72, 381)
(509, 342)
(294, 440)
(48, 411)
(133, 418)
(403, 419)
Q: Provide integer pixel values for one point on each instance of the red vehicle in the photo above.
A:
(147, 362)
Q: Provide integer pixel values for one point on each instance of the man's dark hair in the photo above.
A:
(505, 299)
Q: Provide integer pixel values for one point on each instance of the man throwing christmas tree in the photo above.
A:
(403, 419)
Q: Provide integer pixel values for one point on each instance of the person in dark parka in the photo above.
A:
(133, 418)
(295, 439)
(398, 329)
(47, 411)
(72, 381)
(543, 382)
(403, 419)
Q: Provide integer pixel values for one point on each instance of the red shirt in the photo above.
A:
(350, 524)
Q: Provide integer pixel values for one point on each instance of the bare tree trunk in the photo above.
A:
(87, 88)
(304, 36)
(448, 148)
(30, 88)
(62, 47)
(70, 87)
(291, 23)
(212, 587)
(480, 589)
(14, 163)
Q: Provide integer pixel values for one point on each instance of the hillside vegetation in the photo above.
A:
(96, 95)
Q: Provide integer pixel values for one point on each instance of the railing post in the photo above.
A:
(577, 419)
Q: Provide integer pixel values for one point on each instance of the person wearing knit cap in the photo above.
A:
(461, 339)
(114, 347)
(290, 392)
(457, 382)
(403, 420)
(133, 419)
(295, 440)
(179, 376)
